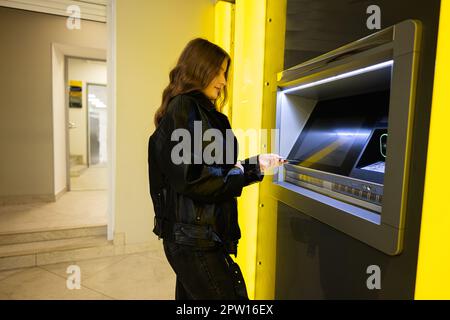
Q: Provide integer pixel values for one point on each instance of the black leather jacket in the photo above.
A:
(195, 203)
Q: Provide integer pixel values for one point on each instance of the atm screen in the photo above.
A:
(337, 132)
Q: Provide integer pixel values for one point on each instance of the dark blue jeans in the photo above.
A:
(205, 273)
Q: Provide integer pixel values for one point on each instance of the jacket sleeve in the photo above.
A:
(199, 182)
(252, 171)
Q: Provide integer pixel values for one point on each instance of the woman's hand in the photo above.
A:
(269, 161)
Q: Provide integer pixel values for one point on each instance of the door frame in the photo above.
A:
(111, 143)
(66, 82)
(110, 56)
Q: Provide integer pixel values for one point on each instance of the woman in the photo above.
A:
(195, 198)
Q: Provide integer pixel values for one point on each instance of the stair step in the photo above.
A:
(67, 255)
(77, 170)
(76, 159)
(66, 233)
(24, 249)
(68, 251)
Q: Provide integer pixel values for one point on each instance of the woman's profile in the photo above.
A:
(193, 186)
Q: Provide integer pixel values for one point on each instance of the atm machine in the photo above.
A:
(345, 124)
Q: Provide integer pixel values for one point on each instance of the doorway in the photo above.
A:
(87, 123)
(97, 124)
(35, 199)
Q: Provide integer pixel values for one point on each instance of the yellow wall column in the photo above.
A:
(267, 222)
(433, 280)
(224, 16)
(247, 111)
(224, 37)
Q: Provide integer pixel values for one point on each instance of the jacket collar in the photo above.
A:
(203, 100)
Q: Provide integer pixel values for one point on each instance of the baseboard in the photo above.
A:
(60, 194)
(26, 199)
(122, 247)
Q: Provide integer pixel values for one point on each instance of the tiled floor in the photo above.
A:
(85, 205)
(73, 209)
(143, 276)
(93, 178)
(134, 276)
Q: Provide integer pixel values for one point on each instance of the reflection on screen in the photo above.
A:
(329, 147)
(377, 167)
(337, 131)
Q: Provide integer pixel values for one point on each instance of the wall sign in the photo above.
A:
(76, 94)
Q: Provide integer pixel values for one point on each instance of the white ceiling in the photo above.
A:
(90, 9)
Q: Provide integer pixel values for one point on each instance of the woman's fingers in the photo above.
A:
(270, 160)
(276, 160)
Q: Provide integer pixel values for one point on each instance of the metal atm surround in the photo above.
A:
(387, 59)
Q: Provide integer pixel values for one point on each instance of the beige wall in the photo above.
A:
(26, 117)
(93, 72)
(150, 37)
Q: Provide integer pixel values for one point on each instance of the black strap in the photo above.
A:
(238, 278)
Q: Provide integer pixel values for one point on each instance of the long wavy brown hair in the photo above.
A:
(197, 66)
